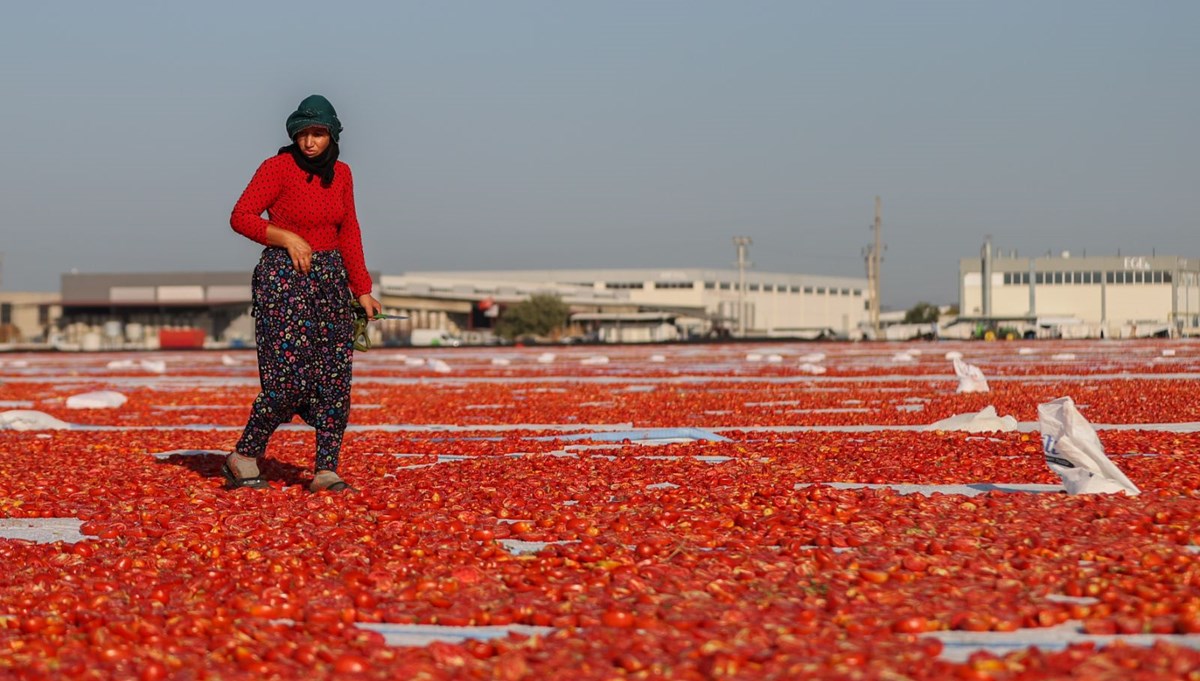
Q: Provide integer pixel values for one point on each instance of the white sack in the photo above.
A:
(658, 358)
(970, 378)
(809, 368)
(596, 359)
(1073, 450)
(27, 419)
(230, 360)
(987, 420)
(954, 354)
(101, 399)
(546, 358)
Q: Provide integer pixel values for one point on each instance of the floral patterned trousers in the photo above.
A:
(304, 331)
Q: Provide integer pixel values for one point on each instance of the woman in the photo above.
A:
(303, 287)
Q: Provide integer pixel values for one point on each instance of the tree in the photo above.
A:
(921, 313)
(538, 316)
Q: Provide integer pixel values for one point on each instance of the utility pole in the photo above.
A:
(874, 256)
(742, 242)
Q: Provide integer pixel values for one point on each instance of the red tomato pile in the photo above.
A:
(684, 561)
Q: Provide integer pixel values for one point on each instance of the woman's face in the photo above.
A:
(313, 141)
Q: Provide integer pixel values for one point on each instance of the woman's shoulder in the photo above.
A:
(274, 164)
(277, 160)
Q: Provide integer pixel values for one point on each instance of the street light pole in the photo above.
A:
(742, 242)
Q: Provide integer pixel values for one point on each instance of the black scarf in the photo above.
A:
(321, 166)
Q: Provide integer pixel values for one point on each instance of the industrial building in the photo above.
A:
(153, 310)
(193, 309)
(636, 305)
(27, 316)
(1071, 296)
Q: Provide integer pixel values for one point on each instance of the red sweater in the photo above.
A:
(291, 202)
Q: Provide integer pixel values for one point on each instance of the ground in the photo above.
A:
(655, 512)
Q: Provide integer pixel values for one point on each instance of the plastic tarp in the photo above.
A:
(970, 378)
(100, 399)
(28, 419)
(986, 420)
(1073, 451)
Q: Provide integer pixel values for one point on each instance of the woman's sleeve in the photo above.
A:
(350, 244)
(263, 190)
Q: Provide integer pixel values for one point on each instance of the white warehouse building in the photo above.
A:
(1090, 296)
(693, 301)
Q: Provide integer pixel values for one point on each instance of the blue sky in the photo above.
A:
(518, 134)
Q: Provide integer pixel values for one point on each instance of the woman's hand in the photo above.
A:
(300, 253)
(298, 249)
(371, 305)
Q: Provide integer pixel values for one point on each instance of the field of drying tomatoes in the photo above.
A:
(520, 486)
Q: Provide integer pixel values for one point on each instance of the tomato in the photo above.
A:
(350, 664)
(617, 618)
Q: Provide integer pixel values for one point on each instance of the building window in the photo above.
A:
(724, 286)
(857, 293)
(624, 284)
(1096, 278)
(709, 285)
(43, 315)
(808, 290)
(795, 289)
(845, 291)
(1166, 277)
(820, 290)
(753, 287)
(1039, 278)
(5, 313)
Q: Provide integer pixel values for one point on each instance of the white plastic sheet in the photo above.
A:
(970, 378)
(986, 420)
(1074, 452)
(100, 399)
(28, 419)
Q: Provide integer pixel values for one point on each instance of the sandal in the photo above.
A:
(328, 481)
(235, 482)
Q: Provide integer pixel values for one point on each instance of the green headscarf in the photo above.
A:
(314, 110)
